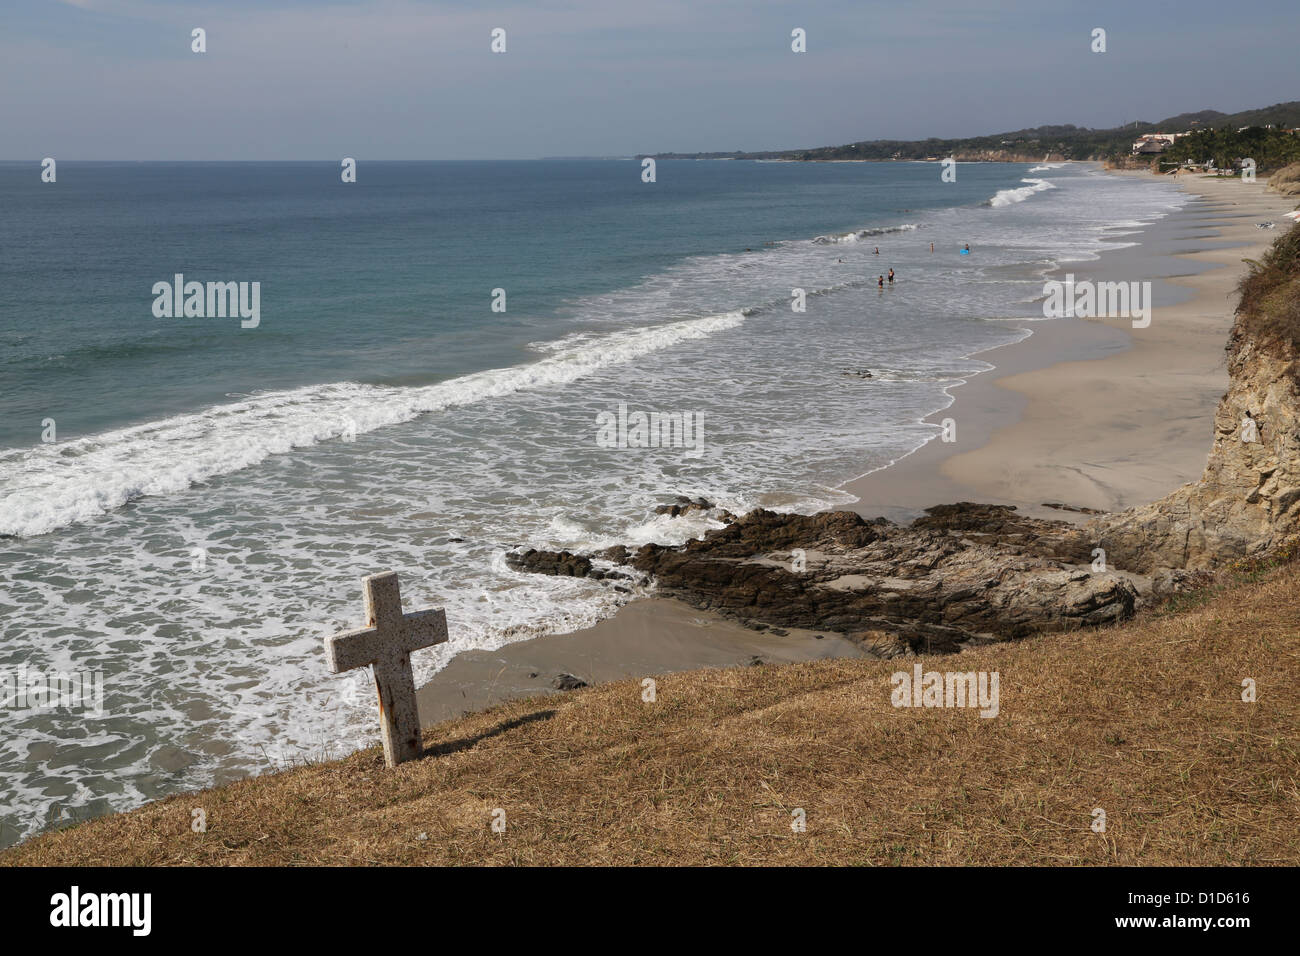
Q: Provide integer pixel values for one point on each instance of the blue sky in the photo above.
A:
(415, 79)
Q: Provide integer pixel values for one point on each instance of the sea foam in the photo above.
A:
(1006, 197)
(54, 485)
(862, 234)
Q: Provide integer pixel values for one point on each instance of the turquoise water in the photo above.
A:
(215, 493)
(387, 280)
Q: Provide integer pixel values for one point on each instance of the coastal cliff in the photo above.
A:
(1247, 503)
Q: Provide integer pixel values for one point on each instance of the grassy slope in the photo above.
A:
(1144, 720)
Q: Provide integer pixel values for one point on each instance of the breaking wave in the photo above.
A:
(54, 485)
(1005, 197)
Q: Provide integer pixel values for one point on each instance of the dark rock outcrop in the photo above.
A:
(963, 573)
(566, 564)
(1075, 508)
(684, 505)
(560, 563)
(568, 682)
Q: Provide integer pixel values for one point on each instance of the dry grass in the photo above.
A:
(1144, 720)
(1270, 291)
(1286, 180)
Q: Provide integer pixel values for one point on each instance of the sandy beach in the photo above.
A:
(654, 636)
(1127, 422)
(1091, 413)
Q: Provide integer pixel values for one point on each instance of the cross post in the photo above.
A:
(386, 643)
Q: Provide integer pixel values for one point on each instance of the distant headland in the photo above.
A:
(1268, 135)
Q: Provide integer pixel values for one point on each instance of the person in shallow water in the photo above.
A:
(880, 282)
(891, 275)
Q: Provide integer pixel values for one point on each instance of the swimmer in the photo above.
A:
(880, 282)
(891, 275)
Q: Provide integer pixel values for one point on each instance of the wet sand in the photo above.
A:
(1088, 412)
(654, 636)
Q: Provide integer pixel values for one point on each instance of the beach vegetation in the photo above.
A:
(1226, 148)
(1270, 291)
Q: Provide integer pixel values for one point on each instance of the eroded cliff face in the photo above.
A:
(1247, 503)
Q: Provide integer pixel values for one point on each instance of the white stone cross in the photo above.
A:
(386, 643)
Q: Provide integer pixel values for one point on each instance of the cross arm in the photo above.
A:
(364, 646)
(423, 629)
(351, 649)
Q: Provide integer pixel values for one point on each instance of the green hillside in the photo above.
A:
(1064, 142)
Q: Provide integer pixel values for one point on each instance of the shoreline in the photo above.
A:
(1127, 421)
(1090, 413)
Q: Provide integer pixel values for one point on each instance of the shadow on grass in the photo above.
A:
(465, 743)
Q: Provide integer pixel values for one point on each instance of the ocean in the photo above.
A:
(187, 505)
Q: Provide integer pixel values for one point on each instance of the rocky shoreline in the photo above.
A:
(965, 574)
